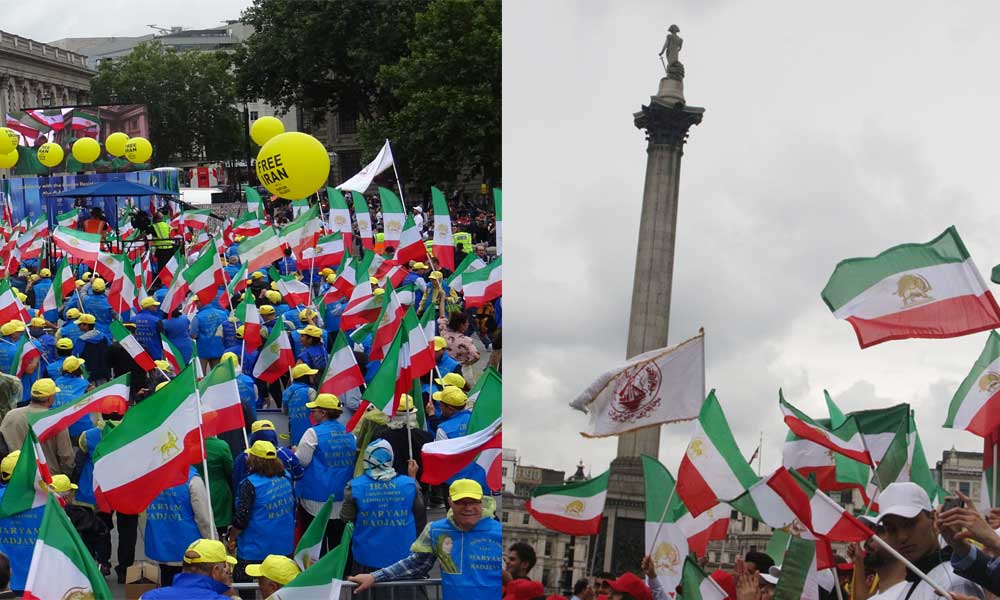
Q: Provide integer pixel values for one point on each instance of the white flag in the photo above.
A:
(360, 182)
(660, 386)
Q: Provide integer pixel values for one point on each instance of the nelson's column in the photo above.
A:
(666, 121)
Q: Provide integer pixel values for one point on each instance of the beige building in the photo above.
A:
(961, 471)
(33, 74)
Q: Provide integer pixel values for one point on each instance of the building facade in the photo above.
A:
(33, 74)
(963, 472)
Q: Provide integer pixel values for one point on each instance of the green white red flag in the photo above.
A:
(310, 546)
(293, 291)
(61, 564)
(832, 471)
(302, 232)
(696, 584)
(204, 276)
(221, 409)
(421, 348)
(411, 244)
(78, 244)
(342, 372)
(63, 284)
(340, 215)
(444, 242)
(713, 468)
(26, 352)
(846, 439)
(975, 406)
(132, 346)
(261, 250)
(483, 285)
(364, 219)
(247, 224)
(363, 307)
(393, 216)
(172, 354)
(329, 252)
(931, 290)
(443, 459)
(28, 483)
(68, 219)
(276, 356)
(574, 508)
(248, 314)
(470, 264)
(392, 379)
(323, 578)
(387, 323)
(195, 219)
(254, 202)
(151, 449)
(112, 397)
(169, 270)
(10, 306)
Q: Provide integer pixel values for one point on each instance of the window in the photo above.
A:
(846, 497)
(548, 547)
(524, 519)
(350, 163)
(733, 515)
(503, 516)
(504, 471)
(254, 115)
(964, 487)
(756, 524)
(545, 576)
(568, 552)
(347, 123)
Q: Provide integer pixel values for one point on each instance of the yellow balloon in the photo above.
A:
(86, 150)
(265, 128)
(8, 160)
(8, 140)
(50, 154)
(115, 143)
(293, 165)
(138, 150)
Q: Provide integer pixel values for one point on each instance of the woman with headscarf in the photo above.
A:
(386, 508)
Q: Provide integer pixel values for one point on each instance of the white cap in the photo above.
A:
(825, 579)
(772, 575)
(904, 499)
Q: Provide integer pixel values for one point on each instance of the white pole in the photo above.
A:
(937, 588)
(663, 515)
(204, 463)
(836, 584)
(396, 173)
(993, 499)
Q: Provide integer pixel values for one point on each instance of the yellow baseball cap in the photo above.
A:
(312, 331)
(80, 283)
(266, 309)
(262, 449)
(35, 277)
(261, 424)
(7, 329)
(61, 484)
(87, 276)
(436, 275)
(99, 285)
(328, 401)
(73, 313)
(148, 301)
(43, 388)
(373, 280)
(37, 322)
(326, 271)
(86, 319)
(452, 379)
(440, 343)
(452, 396)
(72, 364)
(406, 402)
(239, 331)
(257, 275)
(274, 297)
(22, 297)
(17, 324)
(23, 272)
(64, 344)
(279, 569)
(231, 356)
(465, 488)
(419, 265)
(45, 273)
(331, 278)
(160, 385)
(306, 314)
(207, 551)
(378, 292)
(8, 463)
(163, 365)
(302, 369)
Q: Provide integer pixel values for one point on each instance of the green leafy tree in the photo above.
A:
(447, 90)
(191, 98)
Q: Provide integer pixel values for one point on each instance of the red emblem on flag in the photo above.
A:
(637, 393)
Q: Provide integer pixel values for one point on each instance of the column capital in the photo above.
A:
(666, 124)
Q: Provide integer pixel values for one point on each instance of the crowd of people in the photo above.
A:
(266, 484)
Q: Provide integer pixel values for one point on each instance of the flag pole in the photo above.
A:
(663, 515)
(878, 482)
(836, 583)
(399, 186)
(913, 569)
(993, 500)
(204, 462)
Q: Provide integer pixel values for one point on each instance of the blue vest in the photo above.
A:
(384, 527)
(471, 561)
(8, 352)
(98, 306)
(41, 288)
(148, 333)
(18, 534)
(248, 393)
(271, 529)
(228, 333)
(47, 344)
(231, 270)
(73, 388)
(286, 266)
(86, 492)
(314, 356)
(209, 340)
(54, 368)
(178, 332)
(70, 330)
(295, 398)
(447, 364)
(456, 425)
(170, 524)
(332, 464)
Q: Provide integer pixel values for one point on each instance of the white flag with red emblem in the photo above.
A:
(660, 386)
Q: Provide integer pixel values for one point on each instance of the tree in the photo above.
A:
(447, 91)
(323, 56)
(191, 98)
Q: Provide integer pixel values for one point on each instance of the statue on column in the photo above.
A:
(672, 50)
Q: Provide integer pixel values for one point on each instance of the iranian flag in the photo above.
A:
(26, 352)
(713, 468)
(483, 285)
(799, 577)
(411, 245)
(38, 230)
(831, 471)
(975, 406)
(987, 491)
(846, 439)
(420, 347)
(246, 225)
(363, 307)
(389, 271)
(276, 356)
(323, 578)
(86, 123)
(310, 546)
(112, 397)
(444, 242)
(61, 564)
(151, 449)
(132, 346)
(486, 414)
(352, 271)
(195, 219)
(78, 244)
(393, 215)
(340, 215)
(443, 459)
(329, 252)
(107, 265)
(63, 284)
(393, 378)
(204, 275)
(342, 371)
(303, 231)
(388, 322)
(254, 201)
(169, 270)
(470, 264)
(573, 508)
(68, 219)
(248, 314)
(364, 221)
(785, 499)
(694, 532)
(122, 293)
(261, 250)
(172, 354)
(31, 250)
(25, 490)
(10, 306)
(696, 584)
(293, 291)
(221, 409)
(931, 290)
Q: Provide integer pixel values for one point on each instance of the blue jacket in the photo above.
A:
(294, 400)
(207, 328)
(41, 288)
(286, 266)
(98, 305)
(314, 356)
(147, 331)
(92, 347)
(978, 568)
(285, 455)
(178, 331)
(190, 586)
(70, 330)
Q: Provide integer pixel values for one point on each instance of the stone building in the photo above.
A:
(961, 471)
(33, 74)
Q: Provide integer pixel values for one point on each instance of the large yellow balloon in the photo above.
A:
(115, 143)
(293, 165)
(86, 150)
(50, 154)
(265, 128)
(138, 150)
(8, 140)
(8, 160)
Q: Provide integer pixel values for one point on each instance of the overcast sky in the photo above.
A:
(49, 20)
(831, 131)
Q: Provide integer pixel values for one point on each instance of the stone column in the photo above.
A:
(666, 121)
